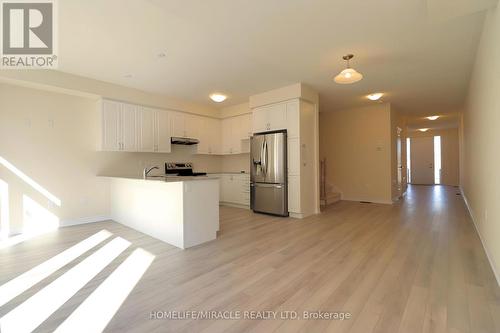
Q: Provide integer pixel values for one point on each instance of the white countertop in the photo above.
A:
(168, 179)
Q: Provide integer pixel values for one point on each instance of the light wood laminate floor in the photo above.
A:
(416, 266)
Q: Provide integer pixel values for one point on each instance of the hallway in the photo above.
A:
(416, 266)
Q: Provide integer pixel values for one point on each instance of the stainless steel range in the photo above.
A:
(181, 169)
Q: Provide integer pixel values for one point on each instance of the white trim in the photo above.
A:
(469, 209)
(234, 205)
(384, 202)
(84, 220)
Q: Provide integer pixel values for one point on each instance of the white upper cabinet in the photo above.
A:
(119, 126)
(214, 132)
(132, 128)
(111, 126)
(293, 118)
(153, 130)
(177, 125)
(192, 125)
(127, 127)
(246, 126)
(162, 132)
(235, 134)
(269, 118)
(146, 123)
(227, 136)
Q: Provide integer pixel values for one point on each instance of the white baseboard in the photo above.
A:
(471, 214)
(230, 204)
(83, 220)
(384, 202)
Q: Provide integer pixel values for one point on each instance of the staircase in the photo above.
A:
(329, 193)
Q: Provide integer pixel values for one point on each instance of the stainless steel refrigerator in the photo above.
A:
(268, 173)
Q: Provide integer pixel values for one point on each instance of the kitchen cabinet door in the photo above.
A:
(128, 127)
(246, 126)
(203, 136)
(276, 117)
(225, 188)
(177, 128)
(227, 137)
(146, 123)
(293, 119)
(111, 126)
(293, 157)
(236, 134)
(215, 136)
(259, 120)
(294, 194)
(192, 125)
(269, 118)
(162, 132)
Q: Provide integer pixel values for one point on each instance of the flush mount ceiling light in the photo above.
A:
(374, 96)
(432, 117)
(218, 98)
(348, 75)
(423, 129)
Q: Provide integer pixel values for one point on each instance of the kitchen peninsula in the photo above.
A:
(181, 211)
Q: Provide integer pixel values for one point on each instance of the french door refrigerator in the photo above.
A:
(268, 173)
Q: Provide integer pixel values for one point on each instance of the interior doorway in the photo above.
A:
(424, 160)
(399, 161)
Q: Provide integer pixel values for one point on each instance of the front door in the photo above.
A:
(422, 160)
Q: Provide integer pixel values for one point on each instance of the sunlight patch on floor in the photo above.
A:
(23, 282)
(30, 314)
(99, 308)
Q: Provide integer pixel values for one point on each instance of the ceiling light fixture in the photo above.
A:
(374, 96)
(432, 117)
(423, 129)
(218, 98)
(348, 75)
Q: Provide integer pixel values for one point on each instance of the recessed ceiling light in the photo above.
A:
(375, 96)
(423, 129)
(348, 75)
(432, 117)
(218, 98)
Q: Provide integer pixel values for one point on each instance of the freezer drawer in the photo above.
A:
(269, 198)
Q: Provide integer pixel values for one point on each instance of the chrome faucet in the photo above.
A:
(147, 170)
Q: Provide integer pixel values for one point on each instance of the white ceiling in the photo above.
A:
(451, 120)
(242, 47)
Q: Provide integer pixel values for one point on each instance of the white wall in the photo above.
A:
(481, 140)
(357, 146)
(82, 86)
(450, 157)
(52, 138)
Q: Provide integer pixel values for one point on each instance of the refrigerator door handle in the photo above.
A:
(265, 157)
(262, 158)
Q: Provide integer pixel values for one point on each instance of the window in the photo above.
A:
(437, 160)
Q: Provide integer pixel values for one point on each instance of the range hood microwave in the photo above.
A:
(184, 141)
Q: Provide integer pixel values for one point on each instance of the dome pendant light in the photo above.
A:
(348, 75)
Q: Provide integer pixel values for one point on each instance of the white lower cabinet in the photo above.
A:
(234, 189)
